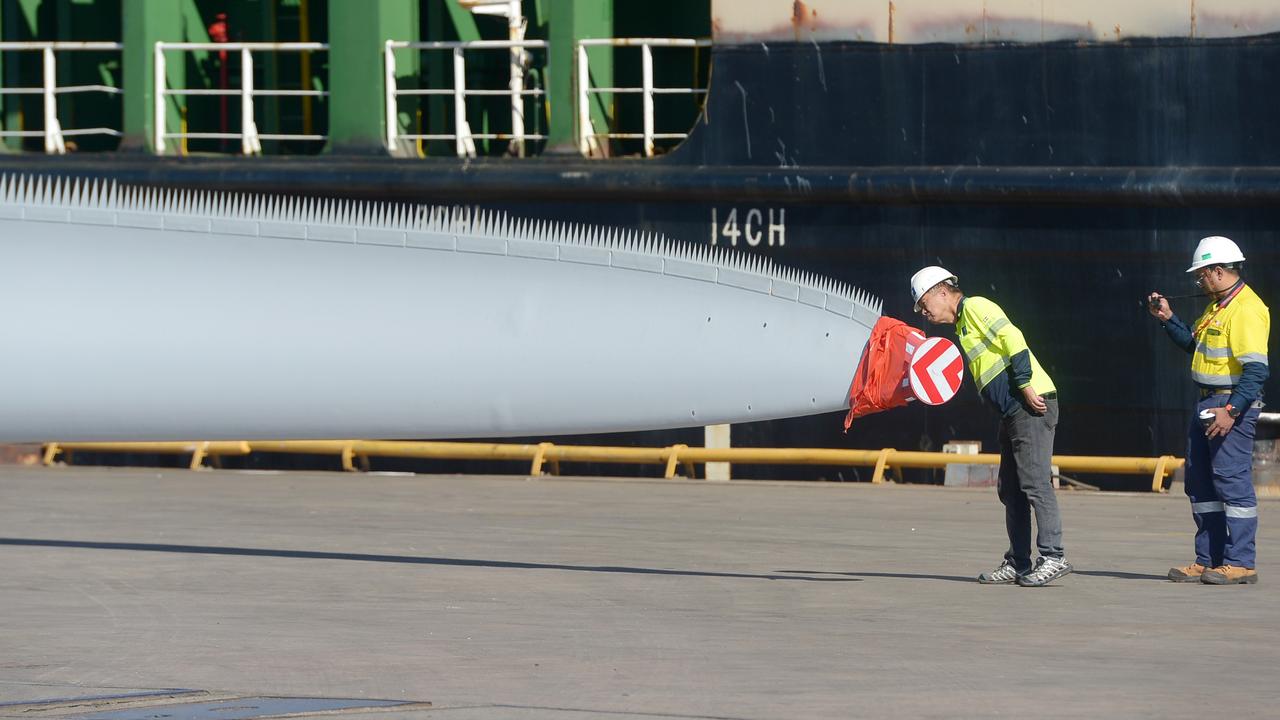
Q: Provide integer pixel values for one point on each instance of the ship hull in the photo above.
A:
(1065, 181)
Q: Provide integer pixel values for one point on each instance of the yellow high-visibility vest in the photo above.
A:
(988, 340)
(1227, 338)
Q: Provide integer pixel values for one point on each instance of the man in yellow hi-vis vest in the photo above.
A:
(1010, 379)
(1228, 347)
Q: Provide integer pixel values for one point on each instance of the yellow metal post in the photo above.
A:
(540, 456)
(1157, 479)
(673, 457)
(348, 457)
(197, 455)
(882, 461)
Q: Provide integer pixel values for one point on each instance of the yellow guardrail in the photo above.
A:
(549, 455)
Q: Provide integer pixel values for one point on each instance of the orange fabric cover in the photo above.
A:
(881, 380)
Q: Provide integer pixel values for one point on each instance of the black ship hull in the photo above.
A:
(1063, 180)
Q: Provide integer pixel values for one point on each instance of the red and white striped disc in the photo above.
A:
(936, 371)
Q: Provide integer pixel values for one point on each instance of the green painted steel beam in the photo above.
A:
(357, 34)
(464, 23)
(30, 10)
(143, 24)
(4, 104)
(567, 22)
(80, 20)
(20, 23)
(446, 21)
(255, 21)
(433, 108)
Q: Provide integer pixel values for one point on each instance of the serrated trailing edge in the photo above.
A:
(109, 196)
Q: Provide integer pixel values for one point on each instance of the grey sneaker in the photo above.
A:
(1047, 570)
(1003, 575)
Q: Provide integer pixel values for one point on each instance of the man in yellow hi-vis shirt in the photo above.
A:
(1228, 347)
(1010, 379)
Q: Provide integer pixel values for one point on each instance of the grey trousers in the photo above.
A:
(1026, 484)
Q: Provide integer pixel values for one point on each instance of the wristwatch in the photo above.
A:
(1232, 411)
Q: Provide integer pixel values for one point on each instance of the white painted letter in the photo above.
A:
(778, 229)
(752, 226)
(730, 229)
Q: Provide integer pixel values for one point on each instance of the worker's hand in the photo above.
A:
(1222, 423)
(1161, 309)
(1034, 401)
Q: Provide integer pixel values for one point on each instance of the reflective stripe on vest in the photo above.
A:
(1228, 337)
(991, 373)
(987, 353)
(984, 345)
(1209, 380)
(1213, 352)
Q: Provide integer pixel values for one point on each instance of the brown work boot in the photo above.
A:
(1190, 573)
(1230, 575)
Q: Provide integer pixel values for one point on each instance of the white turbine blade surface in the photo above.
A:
(161, 314)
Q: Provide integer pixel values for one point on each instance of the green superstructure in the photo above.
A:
(346, 110)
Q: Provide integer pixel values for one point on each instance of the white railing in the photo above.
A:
(588, 138)
(53, 133)
(462, 136)
(250, 138)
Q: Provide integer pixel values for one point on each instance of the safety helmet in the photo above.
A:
(924, 280)
(1215, 250)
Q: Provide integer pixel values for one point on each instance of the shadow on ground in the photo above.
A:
(405, 559)
(973, 579)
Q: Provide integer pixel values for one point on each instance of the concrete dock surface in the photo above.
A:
(236, 595)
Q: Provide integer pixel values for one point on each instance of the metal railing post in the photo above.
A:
(53, 142)
(585, 135)
(588, 139)
(249, 136)
(646, 64)
(462, 136)
(160, 84)
(249, 144)
(460, 103)
(516, 85)
(52, 134)
(389, 85)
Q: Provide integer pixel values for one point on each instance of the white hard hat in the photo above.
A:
(1215, 250)
(924, 280)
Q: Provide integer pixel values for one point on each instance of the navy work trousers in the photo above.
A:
(1219, 481)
